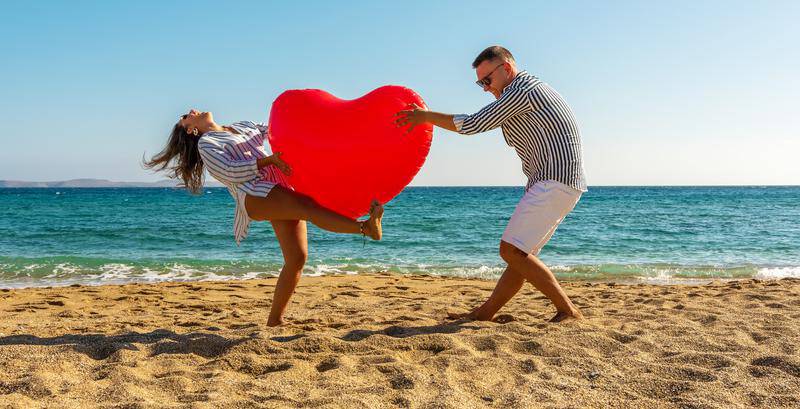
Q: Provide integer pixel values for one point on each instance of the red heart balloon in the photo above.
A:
(345, 153)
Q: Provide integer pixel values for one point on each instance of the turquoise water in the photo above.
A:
(57, 236)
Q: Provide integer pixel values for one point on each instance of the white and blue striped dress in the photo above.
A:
(231, 159)
(539, 125)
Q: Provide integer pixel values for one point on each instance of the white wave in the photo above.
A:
(65, 269)
(318, 270)
(778, 272)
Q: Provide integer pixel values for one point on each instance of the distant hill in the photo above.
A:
(96, 183)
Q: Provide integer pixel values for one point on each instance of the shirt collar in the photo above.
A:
(515, 81)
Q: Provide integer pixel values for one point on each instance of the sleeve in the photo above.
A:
(263, 127)
(511, 103)
(259, 129)
(221, 164)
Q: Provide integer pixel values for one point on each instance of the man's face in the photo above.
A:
(497, 73)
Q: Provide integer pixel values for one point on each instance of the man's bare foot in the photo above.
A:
(275, 323)
(372, 226)
(567, 315)
(460, 316)
(474, 315)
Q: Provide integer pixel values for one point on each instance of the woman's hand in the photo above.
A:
(276, 160)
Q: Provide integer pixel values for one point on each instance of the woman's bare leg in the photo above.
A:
(283, 204)
(292, 236)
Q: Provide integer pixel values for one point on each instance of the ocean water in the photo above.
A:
(60, 236)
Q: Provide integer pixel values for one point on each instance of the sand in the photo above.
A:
(383, 340)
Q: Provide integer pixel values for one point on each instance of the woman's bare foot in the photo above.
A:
(275, 323)
(567, 315)
(372, 226)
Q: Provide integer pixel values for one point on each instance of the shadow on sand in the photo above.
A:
(451, 327)
(99, 346)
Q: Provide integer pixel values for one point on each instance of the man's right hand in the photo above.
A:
(416, 115)
(411, 117)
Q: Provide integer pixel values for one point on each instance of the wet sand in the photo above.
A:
(381, 340)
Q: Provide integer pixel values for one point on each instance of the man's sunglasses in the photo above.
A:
(486, 81)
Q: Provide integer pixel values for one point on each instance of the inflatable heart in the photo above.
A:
(346, 153)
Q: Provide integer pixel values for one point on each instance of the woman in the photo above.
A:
(235, 156)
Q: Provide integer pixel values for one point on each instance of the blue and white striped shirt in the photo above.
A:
(539, 125)
(231, 159)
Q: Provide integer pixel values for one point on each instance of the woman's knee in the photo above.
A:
(296, 259)
(295, 262)
(509, 253)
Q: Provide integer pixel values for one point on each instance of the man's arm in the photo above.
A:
(489, 117)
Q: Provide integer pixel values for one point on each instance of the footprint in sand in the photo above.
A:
(189, 324)
(622, 338)
(193, 397)
(328, 364)
(776, 305)
(354, 287)
(528, 366)
(397, 378)
(240, 326)
(778, 362)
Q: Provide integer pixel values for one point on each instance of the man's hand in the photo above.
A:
(416, 116)
(411, 117)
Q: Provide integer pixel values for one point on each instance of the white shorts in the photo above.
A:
(538, 214)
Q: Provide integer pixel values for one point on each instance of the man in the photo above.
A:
(540, 126)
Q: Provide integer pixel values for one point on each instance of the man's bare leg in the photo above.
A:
(507, 286)
(523, 267)
(533, 270)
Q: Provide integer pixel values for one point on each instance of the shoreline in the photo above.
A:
(623, 281)
(382, 340)
(659, 281)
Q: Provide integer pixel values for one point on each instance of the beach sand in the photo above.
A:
(382, 340)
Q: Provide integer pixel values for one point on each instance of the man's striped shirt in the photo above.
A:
(539, 125)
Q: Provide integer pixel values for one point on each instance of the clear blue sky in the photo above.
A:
(689, 93)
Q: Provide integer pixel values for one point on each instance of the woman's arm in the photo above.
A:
(275, 160)
(223, 165)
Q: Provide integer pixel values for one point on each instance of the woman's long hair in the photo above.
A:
(181, 158)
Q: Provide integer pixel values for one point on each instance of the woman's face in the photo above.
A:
(196, 121)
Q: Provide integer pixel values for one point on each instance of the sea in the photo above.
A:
(64, 236)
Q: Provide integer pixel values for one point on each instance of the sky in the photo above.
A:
(677, 93)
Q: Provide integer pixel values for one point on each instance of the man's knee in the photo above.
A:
(510, 254)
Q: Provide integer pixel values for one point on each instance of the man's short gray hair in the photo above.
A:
(492, 53)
